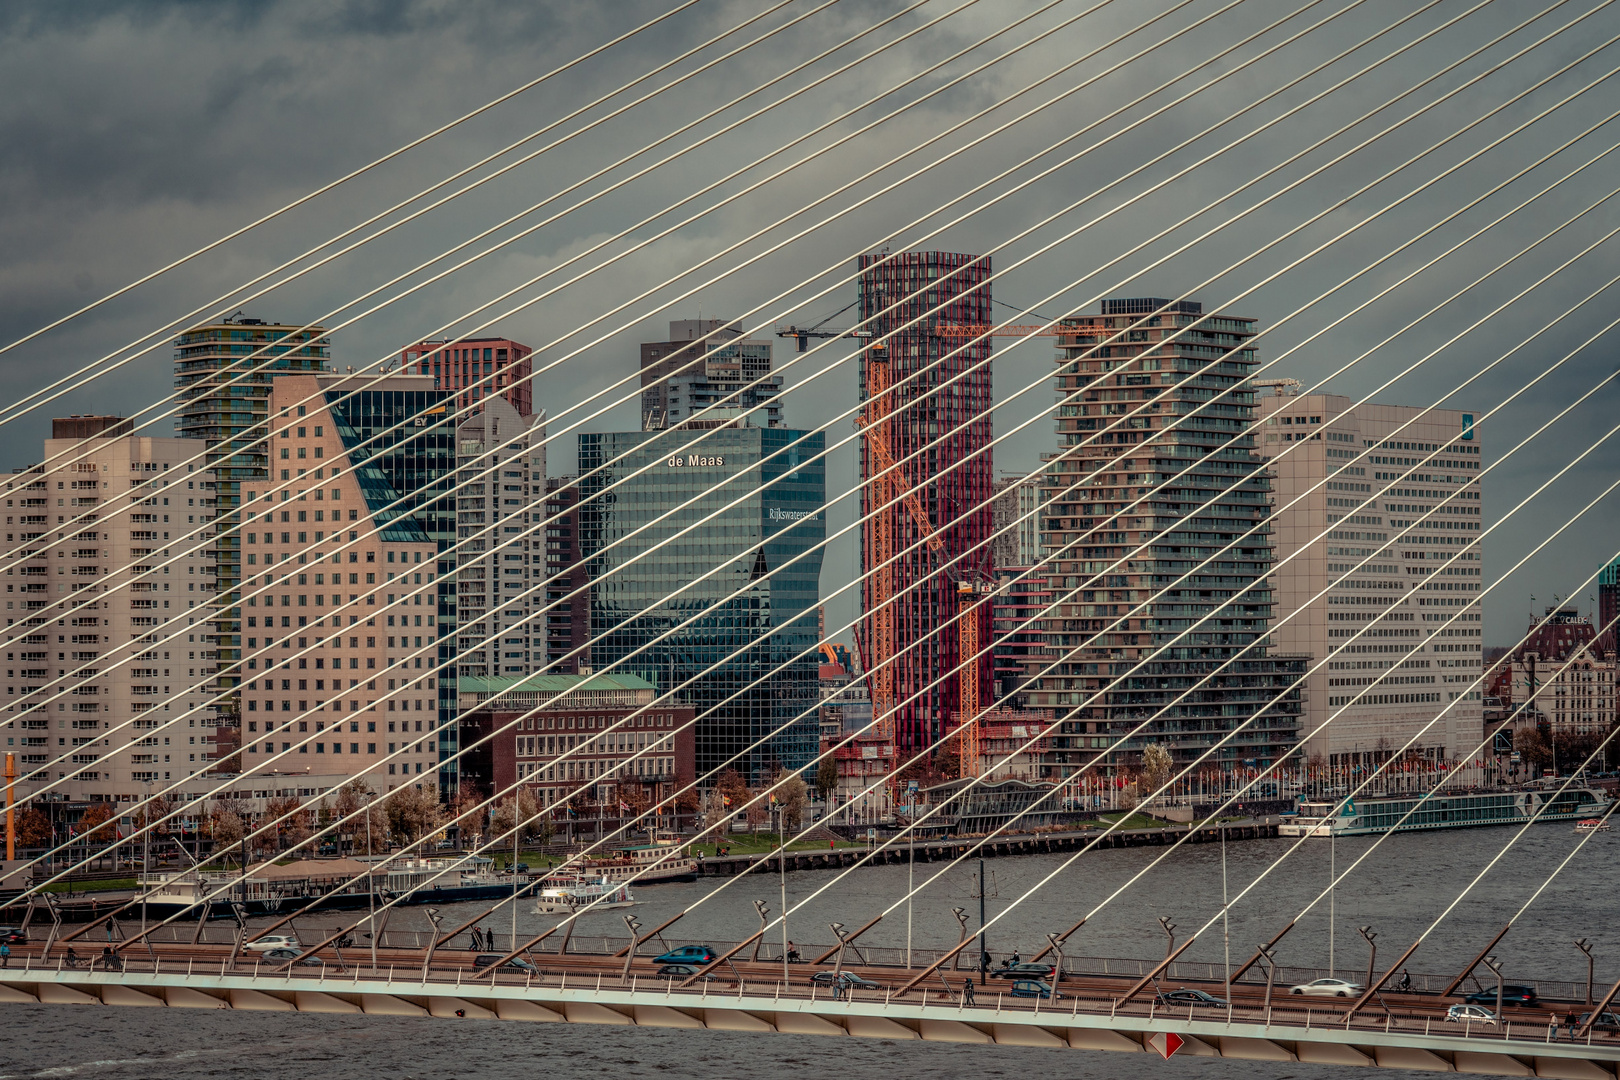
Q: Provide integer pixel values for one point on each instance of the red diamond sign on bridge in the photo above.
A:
(1165, 1042)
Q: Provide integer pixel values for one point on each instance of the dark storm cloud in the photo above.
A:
(134, 132)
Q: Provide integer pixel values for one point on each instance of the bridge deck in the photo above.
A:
(588, 988)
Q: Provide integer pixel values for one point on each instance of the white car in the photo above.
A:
(1470, 1014)
(274, 941)
(1328, 988)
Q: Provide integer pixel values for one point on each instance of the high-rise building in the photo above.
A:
(1019, 631)
(953, 477)
(567, 630)
(1015, 517)
(708, 364)
(501, 484)
(1338, 514)
(1129, 518)
(752, 543)
(1609, 605)
(223, 373)
(139, 636)
(474, 370)
(363, 429)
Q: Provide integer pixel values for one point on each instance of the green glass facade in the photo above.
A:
(633, 603)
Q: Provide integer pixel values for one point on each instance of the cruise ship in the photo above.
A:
(1443, 810)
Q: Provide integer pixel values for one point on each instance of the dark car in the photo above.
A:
(1185, 996)
(516, 965)
(1511, 995)
(1025, 970)
(1033, 988)
(846, 981)
(1605, 1021)
(688, 954)
(281, 956)
(11, 935)
(682, 971)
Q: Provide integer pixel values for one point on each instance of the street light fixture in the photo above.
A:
(1586, 947)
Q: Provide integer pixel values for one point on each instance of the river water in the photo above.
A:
(1400, 890)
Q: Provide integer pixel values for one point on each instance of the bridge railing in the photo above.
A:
(882, 956)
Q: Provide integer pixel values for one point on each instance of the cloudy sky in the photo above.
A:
(1147, 147)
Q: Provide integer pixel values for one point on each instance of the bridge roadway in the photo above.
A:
(584, 987)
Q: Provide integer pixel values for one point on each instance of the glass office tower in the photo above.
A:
(751, 539)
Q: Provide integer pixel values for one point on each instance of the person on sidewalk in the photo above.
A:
(967, 992)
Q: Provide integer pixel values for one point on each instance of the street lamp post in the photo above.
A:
(1586, 947)
(371, 888)
(1496, 969)
(781, 878)
(1372, 955)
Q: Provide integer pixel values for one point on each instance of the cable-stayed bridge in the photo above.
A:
(1234, 603)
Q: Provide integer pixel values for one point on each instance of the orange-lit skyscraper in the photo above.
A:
(937, 427)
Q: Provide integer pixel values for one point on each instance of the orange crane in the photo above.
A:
(888, 482)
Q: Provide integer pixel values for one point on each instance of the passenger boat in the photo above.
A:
(1592, 825)
(565, 895)
(270, 888)
(1443, 810)
(661, 860)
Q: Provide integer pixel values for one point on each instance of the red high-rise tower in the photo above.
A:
(953, 478)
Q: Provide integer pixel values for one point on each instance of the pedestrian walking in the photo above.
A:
(967, 991)
(5, 955)
(1571, 1021)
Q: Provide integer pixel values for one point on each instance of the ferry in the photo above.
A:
(661, 860)
(1444, 810)
(1592, 825)
(565, 895)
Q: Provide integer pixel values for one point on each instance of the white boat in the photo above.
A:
(1592, 825)
(564, 896)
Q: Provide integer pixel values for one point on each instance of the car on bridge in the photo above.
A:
(1196, 998)
(1329, 988)
(1512, 994)
(1032, 988)
(514, 966)
(1025, 970)
(12, 935)
(682, 971)
(1470, 1014)
(273, 941)
(1606, 1021)
(844, 980)
(282, 956)
(688, 954)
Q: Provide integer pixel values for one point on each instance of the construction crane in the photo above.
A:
(887, 483)
(973, 330)
(805, 333)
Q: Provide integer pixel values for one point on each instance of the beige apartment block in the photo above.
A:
(321, 654)
(1345, 566)
(109, 654)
